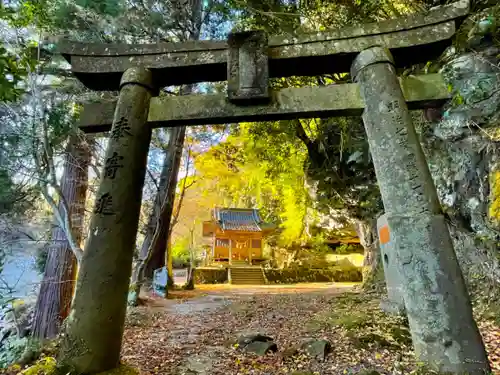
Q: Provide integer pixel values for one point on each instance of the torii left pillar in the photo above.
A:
(93, 335)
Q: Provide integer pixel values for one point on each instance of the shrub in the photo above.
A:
(348, 248)
(210, 275)
(44, 366)
(301, 275)
(12, 350)
(42, 254)
(48, 366)
(179, 263)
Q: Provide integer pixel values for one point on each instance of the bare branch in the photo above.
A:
(182, 193)
(153, 179)
(77, 251)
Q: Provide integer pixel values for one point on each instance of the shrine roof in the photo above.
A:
(241, 219)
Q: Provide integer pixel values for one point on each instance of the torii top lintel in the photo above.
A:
(412, 39)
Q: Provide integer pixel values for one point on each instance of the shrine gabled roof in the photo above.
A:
(241, 219)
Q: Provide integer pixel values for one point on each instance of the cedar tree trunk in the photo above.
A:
(56, 291)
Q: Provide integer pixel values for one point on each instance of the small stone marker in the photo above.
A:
(394, 303)
(160, 280)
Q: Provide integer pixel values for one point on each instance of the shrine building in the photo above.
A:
(237, 235)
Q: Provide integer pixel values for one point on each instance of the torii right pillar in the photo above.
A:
(444, 333)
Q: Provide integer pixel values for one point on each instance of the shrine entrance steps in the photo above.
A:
(240, 263)
(246, 275)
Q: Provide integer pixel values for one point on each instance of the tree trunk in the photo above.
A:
(154, 247)
(190, 276)
(373, 273)
(56, 291)
(153, 250)
(170, 268)
(154, 216)
(163, 215)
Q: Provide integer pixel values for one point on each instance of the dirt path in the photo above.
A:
(195, 333)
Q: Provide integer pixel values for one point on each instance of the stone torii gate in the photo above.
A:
(435, 297)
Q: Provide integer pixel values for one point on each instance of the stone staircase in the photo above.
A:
(246, 275)
(240, 263)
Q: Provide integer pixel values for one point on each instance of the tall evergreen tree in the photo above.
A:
(56, 292)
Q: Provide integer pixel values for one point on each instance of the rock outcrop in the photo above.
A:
(463, 150)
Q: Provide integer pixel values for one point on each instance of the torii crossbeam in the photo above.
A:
(434, 294)
(412, 39)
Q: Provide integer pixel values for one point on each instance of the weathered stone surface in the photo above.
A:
(248, 339)
(93, 336)
(248, 67)
(256, 343)
(463, 157)
(434, 308)
(402, 172)
(413, 39)
(393, 280)
(420, 91)
(318, 349)
(261, 348)
(473, 79)
(391, 307)
(435, 295)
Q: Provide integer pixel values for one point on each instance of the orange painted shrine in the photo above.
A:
(237, 235)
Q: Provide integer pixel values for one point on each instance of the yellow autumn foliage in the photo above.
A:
(44, 366)
(48, 366)
(494, 207)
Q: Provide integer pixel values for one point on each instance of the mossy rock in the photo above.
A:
(261, 348)
(248, 339)
(44, 366)
(48, 366)
(318, 349)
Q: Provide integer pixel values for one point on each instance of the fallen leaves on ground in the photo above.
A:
(197, 333)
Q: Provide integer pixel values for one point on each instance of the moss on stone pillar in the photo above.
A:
(94, 328)
(444, 332)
